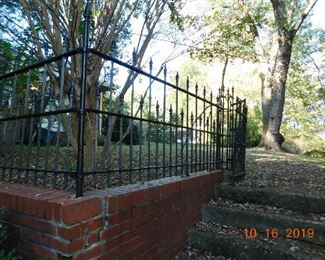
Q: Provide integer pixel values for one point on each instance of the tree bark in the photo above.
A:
(273, 93)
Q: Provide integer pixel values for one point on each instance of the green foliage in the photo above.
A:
(3, 237)
(233, 32)
(254, 125)
(304, 107)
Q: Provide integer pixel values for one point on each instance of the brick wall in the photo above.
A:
(141, 221)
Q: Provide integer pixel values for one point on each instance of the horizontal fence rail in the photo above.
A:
(60, 130)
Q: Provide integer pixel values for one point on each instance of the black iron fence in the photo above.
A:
(71, 127)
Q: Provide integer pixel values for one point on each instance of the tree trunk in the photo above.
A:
(273, 93)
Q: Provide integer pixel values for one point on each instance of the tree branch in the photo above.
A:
(303, 15)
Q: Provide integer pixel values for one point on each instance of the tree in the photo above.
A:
(270, 28)
(288, 24)
(50, 22)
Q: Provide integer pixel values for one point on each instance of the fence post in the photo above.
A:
(82, 105)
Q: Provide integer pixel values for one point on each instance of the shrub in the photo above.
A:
(4, 255)
(254, 126)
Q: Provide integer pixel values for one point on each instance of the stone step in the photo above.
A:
(266, 219)
(291, 201)
(230, 242)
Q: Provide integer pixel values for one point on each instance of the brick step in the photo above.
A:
(227, 241)
(287, 224)
(292, 201)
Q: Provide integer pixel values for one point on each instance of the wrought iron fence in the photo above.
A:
(58, 130)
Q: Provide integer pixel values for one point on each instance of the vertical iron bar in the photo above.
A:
(204, 131)
(61, 102)
(82, 105)
(150, 117)
(97, 133)
(13, 124)
(39, 127)
(187, 126)
(120, 159)
(164, 120)
(182, 142)
(196, 126)
(109, 120)
(22, 137)
(49, 127)
(68, 162)
(176, 123)
(30, 137)
(192, 142)
(140, 138)
(214, 145)
(207, 144)
(228, 128)
(200, 143)
(211, 131)
(170, 140)
(131, 121)
(222, 122)
(218, 131)
(232, 125)
(157, 133)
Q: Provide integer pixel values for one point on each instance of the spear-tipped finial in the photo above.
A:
(97, 90)
(46, 49)
(32, 52)
(165, 71)
(141, 102)
(177, 78)
(113, 47)
(71, 91)
(34, 97)
(17, 60)
(65, 44)
(134, 57)
(187, 83)
(150, 65)
(87, 10)
(157, 108)
(52, 94)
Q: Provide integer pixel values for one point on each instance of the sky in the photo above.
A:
(162, 46)
(318, 14)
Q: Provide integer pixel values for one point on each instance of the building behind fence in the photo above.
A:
(59, 131)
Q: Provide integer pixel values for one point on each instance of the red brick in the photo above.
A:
(94, 224)
(78, 210)
(120, 217)
(66, 247)
(110, 232)
(70, 233)
(37, 250)
(133, 198)
(150, 252)
(92, 238)
(90, 253)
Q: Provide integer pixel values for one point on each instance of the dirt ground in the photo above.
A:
(279, 172)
